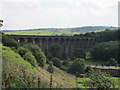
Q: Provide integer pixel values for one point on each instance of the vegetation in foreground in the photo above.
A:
(81, 80)
(34, 63)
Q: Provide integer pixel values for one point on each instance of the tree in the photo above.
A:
(39, 55)
(79, 53)
(22, 51)
(65, 63)
(50, 67)
(55, 51)
(56, 62)
(105, 50)
(77, 66)
(30, 58)
(63, 56)
(99, 79)
(9, 41)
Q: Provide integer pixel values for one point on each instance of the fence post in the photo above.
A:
(50, 81)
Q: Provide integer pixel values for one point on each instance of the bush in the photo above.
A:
(50, 67)
(39, 55)
(77, 66)
(99, 79)
(112, 62)
(79, 53)
(30, 58)
(22, 51)
(88, 69)
(64, 68)
(56, 62)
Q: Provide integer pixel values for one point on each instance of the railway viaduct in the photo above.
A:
(67, 43)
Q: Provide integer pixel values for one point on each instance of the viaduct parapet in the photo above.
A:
(67, 43)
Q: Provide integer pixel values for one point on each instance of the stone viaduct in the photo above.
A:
(67, 43)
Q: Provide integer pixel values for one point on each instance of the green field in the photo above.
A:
(117, 79)
(92, 61)
(43, 32)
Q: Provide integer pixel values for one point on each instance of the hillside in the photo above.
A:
(61, 79)
(18, 73)
(58, 31)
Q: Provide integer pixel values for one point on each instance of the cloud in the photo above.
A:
(59, 13)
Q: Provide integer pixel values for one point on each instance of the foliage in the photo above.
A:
(107, 35)
(56, 62)
(9, 41)
(105, 50)
(77, 66)
(88, 69)
(17, 72)
(22, 51)
(99, 79)
(112, 62)
(30, 58)
(39, 55)
(66, 63)
(79, 53)
(54, 51)
(63, 56)
(50, 67)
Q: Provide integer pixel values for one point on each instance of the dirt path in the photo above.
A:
(104, 67)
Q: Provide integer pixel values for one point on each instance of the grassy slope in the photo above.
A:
(41, 32)
(60, 78)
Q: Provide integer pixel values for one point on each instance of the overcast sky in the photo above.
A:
(25, 14)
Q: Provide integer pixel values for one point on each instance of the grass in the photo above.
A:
(117, 79)
(61, 79)
(42, 32)
(92, 61)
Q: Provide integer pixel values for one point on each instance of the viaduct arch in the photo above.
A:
(67, 43)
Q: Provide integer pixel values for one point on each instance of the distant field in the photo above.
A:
(117, 79)
(43, 32)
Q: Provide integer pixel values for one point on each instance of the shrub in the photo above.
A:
(22, 51)
(112, 62)
(77, 66)
(88, 69)
(56, 62)
(99, 79)
(39, 55)
(50, 67)
(79, 53)
(30, 58)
